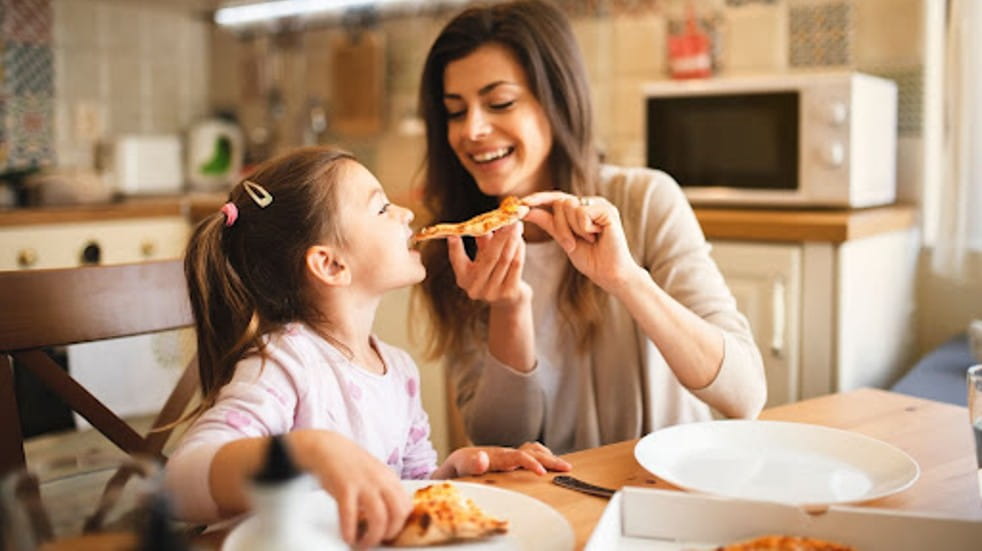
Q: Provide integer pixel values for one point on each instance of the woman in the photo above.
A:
(607, 318)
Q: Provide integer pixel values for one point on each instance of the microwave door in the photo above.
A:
(733, 143)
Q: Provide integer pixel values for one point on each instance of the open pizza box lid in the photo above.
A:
(652, 519)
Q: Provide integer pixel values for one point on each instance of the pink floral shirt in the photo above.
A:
(306, 383)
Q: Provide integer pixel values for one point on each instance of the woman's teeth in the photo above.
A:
(489, 156)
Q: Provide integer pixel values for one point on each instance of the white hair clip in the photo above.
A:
(258, 193)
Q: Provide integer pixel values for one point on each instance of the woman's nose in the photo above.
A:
(477, 125)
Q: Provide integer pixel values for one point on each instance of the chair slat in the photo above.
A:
(11, 450)
(67, 306)
(82, 401)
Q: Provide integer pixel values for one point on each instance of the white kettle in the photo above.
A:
(214, 155)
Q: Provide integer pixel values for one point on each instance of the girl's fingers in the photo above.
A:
(348, 516)
(399, 506)
(376, 517)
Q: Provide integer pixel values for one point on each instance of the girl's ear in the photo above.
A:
(325, 265)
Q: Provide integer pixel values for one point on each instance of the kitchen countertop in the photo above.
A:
(759, 224)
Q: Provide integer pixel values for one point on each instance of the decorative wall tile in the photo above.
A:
(29, 67)
(29, 122)
(26, 84)
(910, 95)
(820, 34)
(27, 21)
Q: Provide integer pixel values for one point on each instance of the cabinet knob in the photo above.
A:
(148, 248)
(91, 254)
(27, 257)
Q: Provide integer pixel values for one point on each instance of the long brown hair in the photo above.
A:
(247, 279)
(541, 39)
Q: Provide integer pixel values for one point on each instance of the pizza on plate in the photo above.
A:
(510, 210)
(785, 543)
(441, 515)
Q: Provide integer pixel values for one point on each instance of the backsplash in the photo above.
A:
(80, 72)
(26, 85)
(124, 68)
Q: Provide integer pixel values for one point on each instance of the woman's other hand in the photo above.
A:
(495, 274)
(589, 230)
(472, 461)
(366, 491)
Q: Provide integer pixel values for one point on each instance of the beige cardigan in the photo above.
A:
(627, 388)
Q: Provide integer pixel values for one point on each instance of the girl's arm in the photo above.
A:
(363, 487)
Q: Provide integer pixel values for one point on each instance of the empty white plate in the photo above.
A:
(794, 463)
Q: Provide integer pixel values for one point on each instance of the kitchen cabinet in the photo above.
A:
(828, 315)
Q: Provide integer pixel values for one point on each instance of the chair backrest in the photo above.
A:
(46, 308)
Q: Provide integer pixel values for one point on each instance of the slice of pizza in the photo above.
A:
(441, 515)
(785, 543)
(510, 210)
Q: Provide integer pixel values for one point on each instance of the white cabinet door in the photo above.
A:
(766, 281)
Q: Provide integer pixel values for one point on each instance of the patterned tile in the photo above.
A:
(28, 21)
(586, 8)
(30, 127)
(29, 68)
(4, 145)
(738, 3)
(820, 34)
(910, 96)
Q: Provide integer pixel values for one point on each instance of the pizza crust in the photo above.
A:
(441, 515)
(785, 543)
(511, 210)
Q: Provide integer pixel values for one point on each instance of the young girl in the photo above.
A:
(284, 282)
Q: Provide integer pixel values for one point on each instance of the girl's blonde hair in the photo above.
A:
(247, 278)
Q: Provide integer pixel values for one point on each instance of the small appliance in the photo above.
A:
(808, 139)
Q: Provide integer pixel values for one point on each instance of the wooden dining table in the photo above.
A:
(937, 435)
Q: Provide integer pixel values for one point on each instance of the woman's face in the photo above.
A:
(495, 124)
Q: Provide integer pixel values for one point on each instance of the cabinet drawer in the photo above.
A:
(117, 241)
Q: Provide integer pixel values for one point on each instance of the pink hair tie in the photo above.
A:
(231, 213)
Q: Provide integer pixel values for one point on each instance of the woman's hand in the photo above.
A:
(471, 461)
(589, 230)
(366, 490)
(495, 274)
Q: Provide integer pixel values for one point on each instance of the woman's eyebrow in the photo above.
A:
(484, 89)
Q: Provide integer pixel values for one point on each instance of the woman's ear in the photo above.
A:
(325, 265)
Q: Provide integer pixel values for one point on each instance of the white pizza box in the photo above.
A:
(652, 519)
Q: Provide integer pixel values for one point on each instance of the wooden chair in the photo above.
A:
(48, 308)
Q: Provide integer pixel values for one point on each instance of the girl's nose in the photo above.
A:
(407, 214)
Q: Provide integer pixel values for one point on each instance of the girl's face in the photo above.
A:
(495, 124)
(377, 234)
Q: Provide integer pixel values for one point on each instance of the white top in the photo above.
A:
(622, 387)
(306, 383)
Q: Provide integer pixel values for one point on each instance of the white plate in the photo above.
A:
(533, 525)
(795, 463)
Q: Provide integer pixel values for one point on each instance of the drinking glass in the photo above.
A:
(975, 414)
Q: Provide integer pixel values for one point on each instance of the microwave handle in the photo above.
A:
(778, 317)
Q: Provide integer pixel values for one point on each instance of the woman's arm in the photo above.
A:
(691, 318)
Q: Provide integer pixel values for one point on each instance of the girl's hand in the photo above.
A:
(472, 461)
(367, 492)
(589, 230)
(495, 274)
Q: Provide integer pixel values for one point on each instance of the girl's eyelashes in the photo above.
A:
(385, 208)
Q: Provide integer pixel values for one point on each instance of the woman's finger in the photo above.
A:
(458, 256)
(541, 198)
(506, 259)
(563, 235)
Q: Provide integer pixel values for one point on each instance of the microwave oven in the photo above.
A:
(812, 139)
